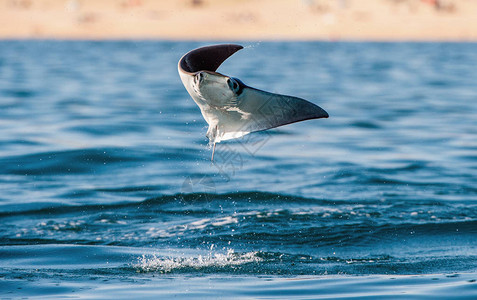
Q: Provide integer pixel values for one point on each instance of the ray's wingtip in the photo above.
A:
(322, 113)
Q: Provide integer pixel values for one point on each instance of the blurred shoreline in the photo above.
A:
(374, 20)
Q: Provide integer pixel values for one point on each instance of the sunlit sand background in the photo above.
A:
(433, 20)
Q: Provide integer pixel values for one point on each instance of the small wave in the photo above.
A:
(18, 93)
(153, 263)
(64, 162)
(178, 201)
(366, 125)
(246, 196)
(210, 202)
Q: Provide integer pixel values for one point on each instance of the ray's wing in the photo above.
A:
(261, 110)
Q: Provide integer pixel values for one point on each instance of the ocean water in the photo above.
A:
(108, 190)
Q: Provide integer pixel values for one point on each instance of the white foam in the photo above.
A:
(153, 263)
(178, 230)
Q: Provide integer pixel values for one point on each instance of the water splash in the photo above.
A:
(155, 263)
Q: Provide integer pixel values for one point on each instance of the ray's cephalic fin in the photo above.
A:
(207, 58)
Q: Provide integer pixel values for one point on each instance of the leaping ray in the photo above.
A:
(231, 108)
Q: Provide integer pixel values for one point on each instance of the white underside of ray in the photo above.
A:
(225, 121)
(233, 117)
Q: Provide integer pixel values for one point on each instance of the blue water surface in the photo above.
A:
(107, 187)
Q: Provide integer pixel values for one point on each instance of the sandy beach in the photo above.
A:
(246, 19)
